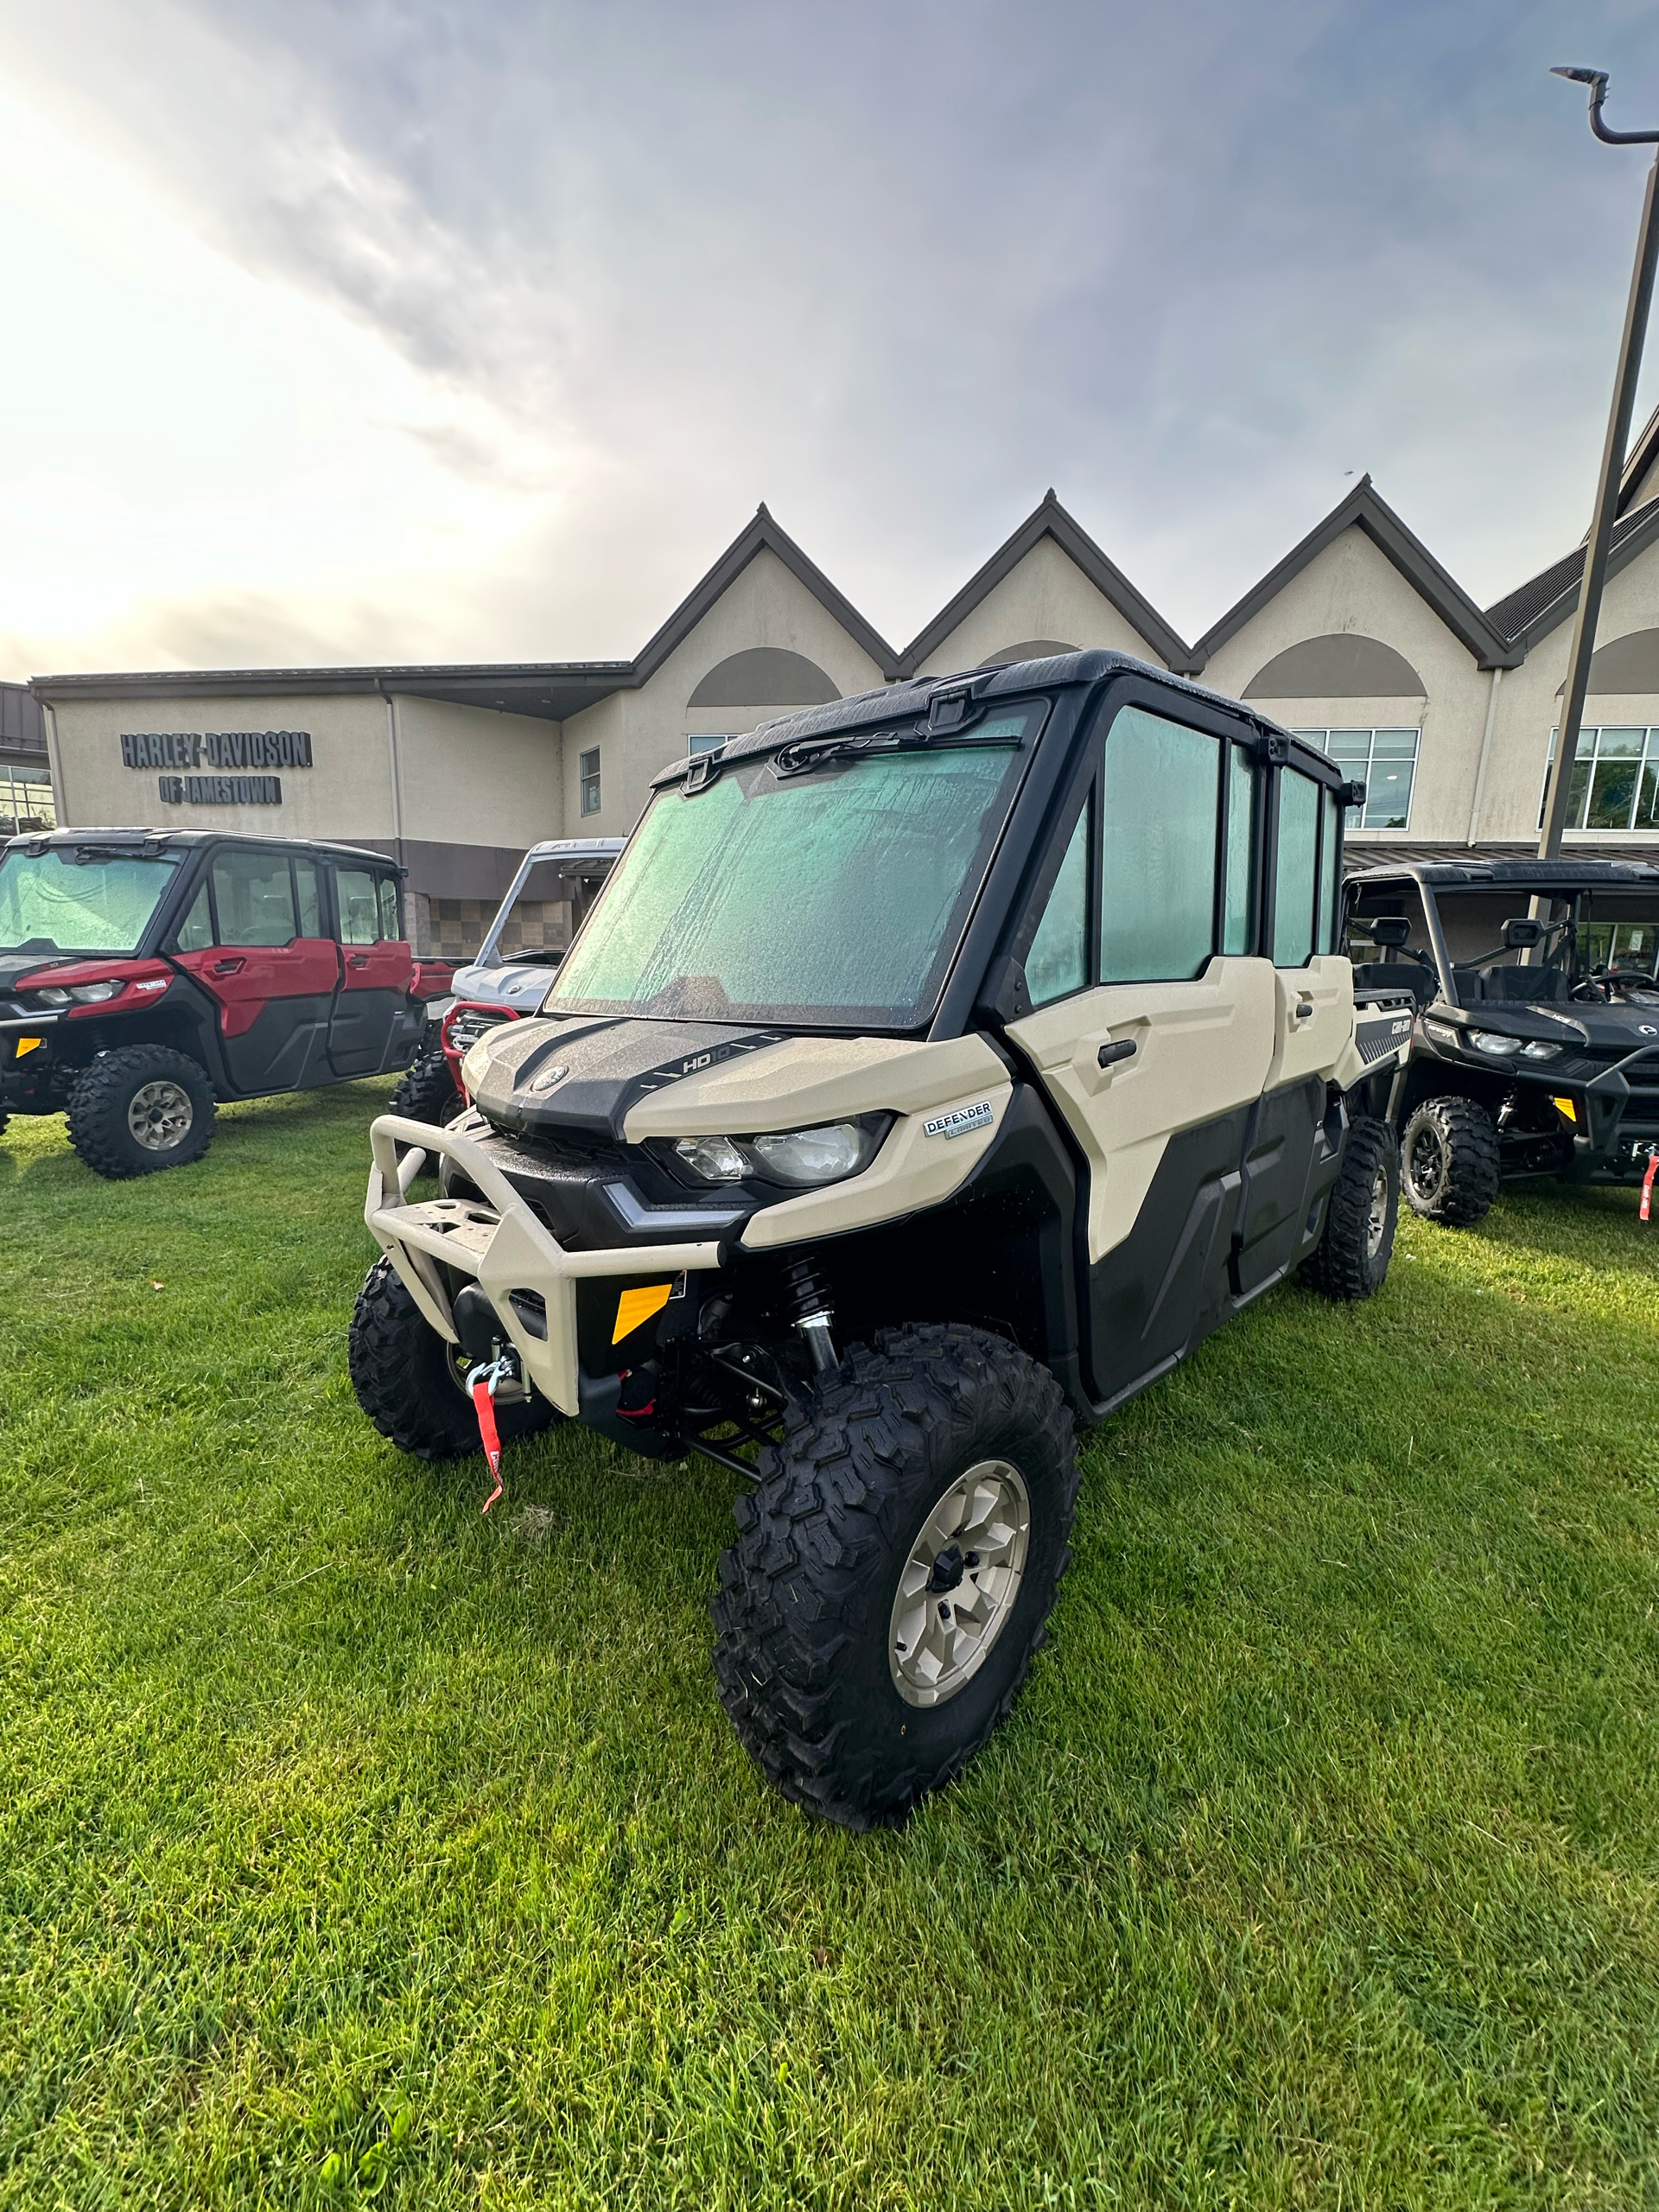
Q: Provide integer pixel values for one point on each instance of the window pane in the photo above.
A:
(696, 744)
(1159, 799)
(62, 902)
(1395, 744)
(358, 916)
(1388, 794)
(389, 929)
(1612, 791)
(255, 898)
(1324, 939)
(305, 876)
(1059, 959)
(1647, 808)
(588, 768)
(1618, 743)
(1579, 793)
(1239, 924)
(1292, 917)
(196, 931)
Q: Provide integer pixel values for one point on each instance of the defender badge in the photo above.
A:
(959, 1123)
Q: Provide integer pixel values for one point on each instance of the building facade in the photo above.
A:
(1357, 636)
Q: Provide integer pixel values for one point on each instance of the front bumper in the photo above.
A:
(528, 1276)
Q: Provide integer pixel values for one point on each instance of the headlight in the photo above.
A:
(805, 1157)
(93, 993)
(1442, 1032)
(712, 1160)
(1494, 1044)
(1540, 1049)
(812, 1155)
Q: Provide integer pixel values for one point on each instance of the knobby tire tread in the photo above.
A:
(1474, 1164)
(96, 1111)
(801, 1579)
(1340, 1266)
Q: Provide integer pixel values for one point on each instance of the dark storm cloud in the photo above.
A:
(897, 268)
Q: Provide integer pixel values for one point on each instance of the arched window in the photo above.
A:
(1626, 664)
(1342, 666)
(1032, 649)
(763, 675)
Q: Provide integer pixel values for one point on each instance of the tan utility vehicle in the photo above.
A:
(935, 1071)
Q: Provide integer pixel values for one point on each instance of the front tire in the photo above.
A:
(860, 1673)
(1351, 1258)
(412, 1385)
(140, 1109)
(1449, 1161)
(426, 1091)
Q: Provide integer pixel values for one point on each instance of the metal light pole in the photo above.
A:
(1613, 464)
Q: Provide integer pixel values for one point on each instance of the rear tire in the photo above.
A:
(427, 1092)
(1351, 1258)
(412, 1385)
(1449, 1161)
(826, 1611)
(140, 1109)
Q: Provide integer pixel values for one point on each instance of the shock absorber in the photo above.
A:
(813, 1313)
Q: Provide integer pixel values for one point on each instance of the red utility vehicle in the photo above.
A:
(145, 975)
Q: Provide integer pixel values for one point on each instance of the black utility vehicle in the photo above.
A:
(146, 974)
(1537, 1047)
(934, 1071)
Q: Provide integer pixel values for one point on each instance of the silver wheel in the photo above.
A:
(1377, 1220)
(1426, 1166)
(159, 1115)
(960, 1583)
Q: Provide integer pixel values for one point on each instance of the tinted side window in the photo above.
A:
(360, 912)
(1058, 960)
(388, 908)
(1161, 794)
(1324, 936)
(308, 883)
(1293, 895)
(196, 930)
(1238, 918)
(254, 896)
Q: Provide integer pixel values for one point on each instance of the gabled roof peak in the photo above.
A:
(1366, 510)
(1048, 518)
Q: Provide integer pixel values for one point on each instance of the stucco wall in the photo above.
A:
(470, 776)
(1528, 705)
(1044, 595)
(346, 793)
(639, 732)
(1352, 587)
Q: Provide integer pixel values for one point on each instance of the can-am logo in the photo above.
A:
(958, 1124)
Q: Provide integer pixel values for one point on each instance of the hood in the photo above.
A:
(522, 987)
(584, 1074)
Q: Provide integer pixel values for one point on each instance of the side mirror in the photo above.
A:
(1391, 930)
(1523, 933)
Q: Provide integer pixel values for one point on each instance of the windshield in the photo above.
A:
(836, 896)
(547, 910)
(65, 900)
(1598, 947)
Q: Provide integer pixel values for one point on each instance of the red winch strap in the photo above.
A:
(1646, 1184)
(484, 1406)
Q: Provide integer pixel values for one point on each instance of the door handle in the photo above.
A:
(1122, 1048)
(1304, 1010)
(358, 960)
(229, 966)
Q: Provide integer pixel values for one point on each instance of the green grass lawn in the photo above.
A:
(354, 1846)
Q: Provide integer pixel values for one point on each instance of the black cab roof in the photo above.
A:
(192, 840)
(1556, 875)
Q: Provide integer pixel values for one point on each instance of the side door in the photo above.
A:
(1156, 1040)
(369, 1032)
(253, 939)
(1291, 1159)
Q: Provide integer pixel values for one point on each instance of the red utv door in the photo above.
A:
(367, 1034)
(253, 939)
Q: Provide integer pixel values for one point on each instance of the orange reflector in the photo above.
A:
(635, 1306)
(1567, 1107)
(27, 1045)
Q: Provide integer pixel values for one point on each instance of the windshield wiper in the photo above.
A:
(807, 753)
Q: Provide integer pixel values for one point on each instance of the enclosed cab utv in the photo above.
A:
(936, 1069)
(546, 903)
(1536, 1048)
(145, 975)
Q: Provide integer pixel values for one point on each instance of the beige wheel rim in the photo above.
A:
(960, 1583)
(159, 1115)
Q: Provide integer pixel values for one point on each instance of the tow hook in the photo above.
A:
(481, 1384)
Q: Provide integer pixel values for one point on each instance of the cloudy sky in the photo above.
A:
(344, 330)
